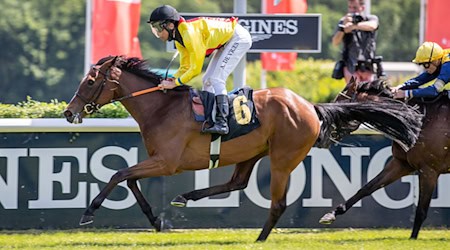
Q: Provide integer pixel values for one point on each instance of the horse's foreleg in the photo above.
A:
(238, 181)
(88, 216)
(394, 170)
(145, 207)
(151, 167)
(427, 183)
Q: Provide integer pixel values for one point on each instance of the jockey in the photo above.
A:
(223, 38)
(435, 60)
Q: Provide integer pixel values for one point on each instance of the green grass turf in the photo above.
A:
(376, 239)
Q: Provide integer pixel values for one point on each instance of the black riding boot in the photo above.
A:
(221, 125)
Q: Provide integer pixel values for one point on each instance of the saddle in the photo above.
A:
(242, 117)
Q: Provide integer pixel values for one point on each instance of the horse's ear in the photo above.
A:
(352, 84)
(116, 72)
(119, 61)
(352, 80)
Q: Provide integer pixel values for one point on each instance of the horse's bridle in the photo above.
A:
(354, 95)
(92, 106)
(344, 94)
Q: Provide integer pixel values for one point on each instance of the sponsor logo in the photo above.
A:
(265, 29)
(56, 178)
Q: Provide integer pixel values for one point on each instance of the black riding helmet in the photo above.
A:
(160, 17)
(164, 13)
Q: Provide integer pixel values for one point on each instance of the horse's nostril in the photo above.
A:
(67, 113)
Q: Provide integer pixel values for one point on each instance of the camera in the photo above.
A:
(380, 71)
(356, 18)
(374, 65)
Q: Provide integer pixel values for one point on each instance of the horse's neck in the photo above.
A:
(147, 108)
(436, 106)
(139, 107)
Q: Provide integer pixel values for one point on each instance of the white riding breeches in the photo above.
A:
(225, 60)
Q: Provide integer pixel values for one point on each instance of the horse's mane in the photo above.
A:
(135, 66)
(378, 87)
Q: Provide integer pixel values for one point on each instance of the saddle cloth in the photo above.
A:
(242, 117)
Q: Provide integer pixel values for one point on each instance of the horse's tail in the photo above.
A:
(394, 119)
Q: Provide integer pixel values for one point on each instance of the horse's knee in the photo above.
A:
(119, 176)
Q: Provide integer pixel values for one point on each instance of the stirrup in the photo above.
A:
(214, 130)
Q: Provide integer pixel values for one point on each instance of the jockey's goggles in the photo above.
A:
(425, 65)
(157, 27)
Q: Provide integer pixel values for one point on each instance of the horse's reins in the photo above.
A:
(92, 106)
(353, 97)
(149, 90)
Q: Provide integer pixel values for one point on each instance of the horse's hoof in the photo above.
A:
(86, 219)
(178, 201)
(162, 225)
(327, 219)
(158, 224)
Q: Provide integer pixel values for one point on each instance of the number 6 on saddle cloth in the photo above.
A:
(241, 120)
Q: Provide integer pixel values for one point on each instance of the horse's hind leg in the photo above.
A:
(282, 162)
(427, 183)
(394, 170)
(278, 189)
(238, 181)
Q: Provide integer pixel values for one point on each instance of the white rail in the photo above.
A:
(19, 125)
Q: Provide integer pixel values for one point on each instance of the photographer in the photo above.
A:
(358, 33)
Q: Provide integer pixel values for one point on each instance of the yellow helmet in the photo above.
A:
(428, 52)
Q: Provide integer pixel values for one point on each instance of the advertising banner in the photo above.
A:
(436, 19)
(281, 61)
(115, 25)
(276, 32)
(47, 179)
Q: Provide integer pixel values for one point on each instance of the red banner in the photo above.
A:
(437, 24)
(281, 61)
(285, 6)
(278, 61)
(115, 25)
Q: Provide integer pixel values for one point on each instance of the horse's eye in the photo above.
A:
(91, 82)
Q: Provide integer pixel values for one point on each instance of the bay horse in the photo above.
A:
(290, 126)
(429, 157)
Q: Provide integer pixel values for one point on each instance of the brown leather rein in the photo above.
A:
(91, 106)
(137, 93)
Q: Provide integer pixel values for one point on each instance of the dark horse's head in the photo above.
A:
(374, 91)
(101, 85)
(363, 91)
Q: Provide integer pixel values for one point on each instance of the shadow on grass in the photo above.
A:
(129, 245)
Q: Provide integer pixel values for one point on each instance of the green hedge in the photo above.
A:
(35, 109)
(310, 79)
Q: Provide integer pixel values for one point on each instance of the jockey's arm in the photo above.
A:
(417, 81)
(195, 49)
(184, 60)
